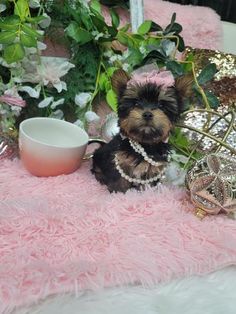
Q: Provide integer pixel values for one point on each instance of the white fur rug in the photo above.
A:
(211, 294)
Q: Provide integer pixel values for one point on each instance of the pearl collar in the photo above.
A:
(140, 150)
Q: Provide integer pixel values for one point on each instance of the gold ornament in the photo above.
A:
(212, 185)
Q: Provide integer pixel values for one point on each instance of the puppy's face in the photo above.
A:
(146, 112)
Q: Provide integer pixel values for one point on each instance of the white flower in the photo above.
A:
(46, 21)
(57, 103)
(48, 72)
(79, 123)
(34, 4)
(40, 31)
(31, 50)
(179, 158)
(125, 67)
(32, 92)
(45, 103)
(126, 54)
(58, 114)
(108, 53)
(113, 59)
(91, 116)
(82, 99)
(41, 46)
(175, 174)
(2, 7)
(97, 35)
(16, 110)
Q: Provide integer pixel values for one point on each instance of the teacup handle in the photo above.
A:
(92, 141)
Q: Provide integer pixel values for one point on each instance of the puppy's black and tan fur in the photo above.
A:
(146, 114)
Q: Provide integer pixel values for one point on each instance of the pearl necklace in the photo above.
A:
(139, 149)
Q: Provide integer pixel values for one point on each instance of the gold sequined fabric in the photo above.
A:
(224, 87)
(224, 83)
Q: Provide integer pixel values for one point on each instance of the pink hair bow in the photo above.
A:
(160, 78)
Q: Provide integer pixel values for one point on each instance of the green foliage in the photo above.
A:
(18, 31)
(80, 35)
(145, 27)
(14, 52)
(182, 144)
(176, 68)
(212, 99)
(207, 74)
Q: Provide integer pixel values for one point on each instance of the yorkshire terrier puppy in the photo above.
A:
(149, 104)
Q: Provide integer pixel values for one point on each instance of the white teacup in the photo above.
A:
(51, 147)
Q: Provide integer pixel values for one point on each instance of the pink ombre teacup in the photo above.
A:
(51, 147)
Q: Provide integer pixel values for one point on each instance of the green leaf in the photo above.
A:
(125, 39)
(176, 28)
(112, 99)
(7, 37)
(168, 28)
(207, 74)
(99, 23)
(95, 5)
(112, 31)
(181, 44)
(154, 56)
(111, 70)
(188, 66)
(212, 99)
(125, 28)
(145, 27)
(22, 9)
(155, 28)
(114, 18)
(35, 19)
(173, 18)
(13, 53)
(30, 31)
(80, 35)
(135, 58)
(175, 68)
(28, 41)
(103, 79)
(10, 23)
(122, 38)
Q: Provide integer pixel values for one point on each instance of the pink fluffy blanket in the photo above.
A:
(202, 27)
(67, 233)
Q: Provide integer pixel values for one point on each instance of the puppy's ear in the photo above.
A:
(184, 86)
(119, 82)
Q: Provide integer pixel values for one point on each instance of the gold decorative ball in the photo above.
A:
(212, 185)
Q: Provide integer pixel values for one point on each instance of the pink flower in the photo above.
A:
(160, 78)
(12, 100)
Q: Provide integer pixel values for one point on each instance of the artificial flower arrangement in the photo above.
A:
(32, 84)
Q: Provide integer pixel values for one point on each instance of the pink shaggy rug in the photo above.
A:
(202, 27)
(67, 233)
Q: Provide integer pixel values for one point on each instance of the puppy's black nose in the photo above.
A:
(147, 115)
